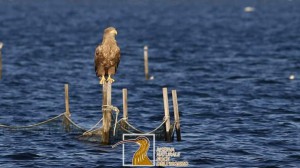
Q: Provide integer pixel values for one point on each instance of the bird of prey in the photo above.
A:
(107, 56)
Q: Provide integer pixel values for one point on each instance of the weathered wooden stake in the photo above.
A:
(67, 100)
(176, 115)
(125, 107)
(106, 103)
(66, 121)
(167, 114)
(146, 62)
(1, 45)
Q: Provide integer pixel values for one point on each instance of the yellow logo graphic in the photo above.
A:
(140, 157)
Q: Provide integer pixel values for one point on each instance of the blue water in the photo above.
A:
(230, 68)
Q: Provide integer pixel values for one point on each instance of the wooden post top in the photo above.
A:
(145, 47)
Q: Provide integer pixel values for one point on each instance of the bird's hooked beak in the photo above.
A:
(122, 142)
(114, 32)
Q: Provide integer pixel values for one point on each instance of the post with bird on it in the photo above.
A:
(1, 46)
(107, 58)
(106, 111)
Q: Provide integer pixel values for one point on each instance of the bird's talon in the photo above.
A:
(102, 80)
(110, 80)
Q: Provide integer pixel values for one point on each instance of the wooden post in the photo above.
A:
(146, 62)
(67, 100)
(125, 108)
(66, 121)
(1, 45)
(167, 114)
(176, 115)
(106, 102)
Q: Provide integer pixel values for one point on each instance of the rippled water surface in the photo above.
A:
(230, 68)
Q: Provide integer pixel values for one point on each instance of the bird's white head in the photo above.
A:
(110, 31)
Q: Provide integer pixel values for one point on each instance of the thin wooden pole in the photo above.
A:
(176, 115)
(146, 62)
(125, 108)
(66, 121)
(167, 114)
(1, 45)
(106, 103)
(67, 100)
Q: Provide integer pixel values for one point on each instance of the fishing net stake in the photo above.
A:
(176, 115)
(107, 112)
(167, 114)
(67, 104)
(146, 67)
(125, 108)
(66, 121)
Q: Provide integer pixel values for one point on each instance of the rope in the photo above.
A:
(133, 127)
(74, 123)
(157, 127)
(112, 108)
(33, 125)
(117, 113)
(126, 129)
(91, 130)
(174, 127)
(164, 121)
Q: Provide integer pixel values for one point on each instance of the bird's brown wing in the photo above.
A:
(99, 57)
(117, 58)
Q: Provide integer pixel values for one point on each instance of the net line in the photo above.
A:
(139, 131)
(120, 127)
(72, 122)
(92, 129)
(63, 117)
(34, 125)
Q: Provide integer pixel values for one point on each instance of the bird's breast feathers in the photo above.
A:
(109, 51)
(108, 55)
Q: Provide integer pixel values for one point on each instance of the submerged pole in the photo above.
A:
(167, 114)
(176, 115)
(1, 46)
(106, 110)
(146, 62)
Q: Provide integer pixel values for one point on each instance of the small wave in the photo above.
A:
(23, 156)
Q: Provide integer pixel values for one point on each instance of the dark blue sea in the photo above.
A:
(230, 68)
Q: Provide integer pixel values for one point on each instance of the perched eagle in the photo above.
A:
(107, 56)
